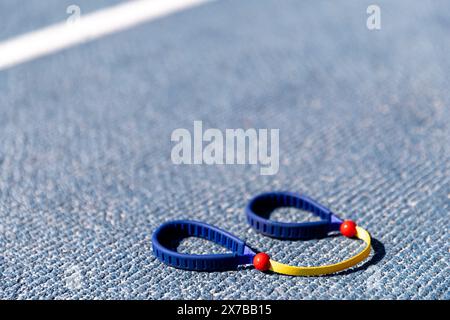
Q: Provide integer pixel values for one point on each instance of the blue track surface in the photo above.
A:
(364, 119)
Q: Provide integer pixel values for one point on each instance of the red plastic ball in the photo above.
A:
(261, 261)
(348, 228)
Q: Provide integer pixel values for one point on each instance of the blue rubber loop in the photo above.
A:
(168, 236)
(259, 209)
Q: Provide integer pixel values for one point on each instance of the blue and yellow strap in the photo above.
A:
(168, 236)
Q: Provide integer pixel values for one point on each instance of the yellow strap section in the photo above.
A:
(331, 268)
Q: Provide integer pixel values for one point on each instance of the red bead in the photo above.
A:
(261, 261)
(348, 228)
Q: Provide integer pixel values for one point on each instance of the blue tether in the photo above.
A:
(259, 209)
(168, 236)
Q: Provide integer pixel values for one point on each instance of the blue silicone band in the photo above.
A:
(167, 237)
(259, 209)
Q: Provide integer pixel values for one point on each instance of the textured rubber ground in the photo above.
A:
(364, 118)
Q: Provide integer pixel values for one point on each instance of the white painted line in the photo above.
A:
(91, 26)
